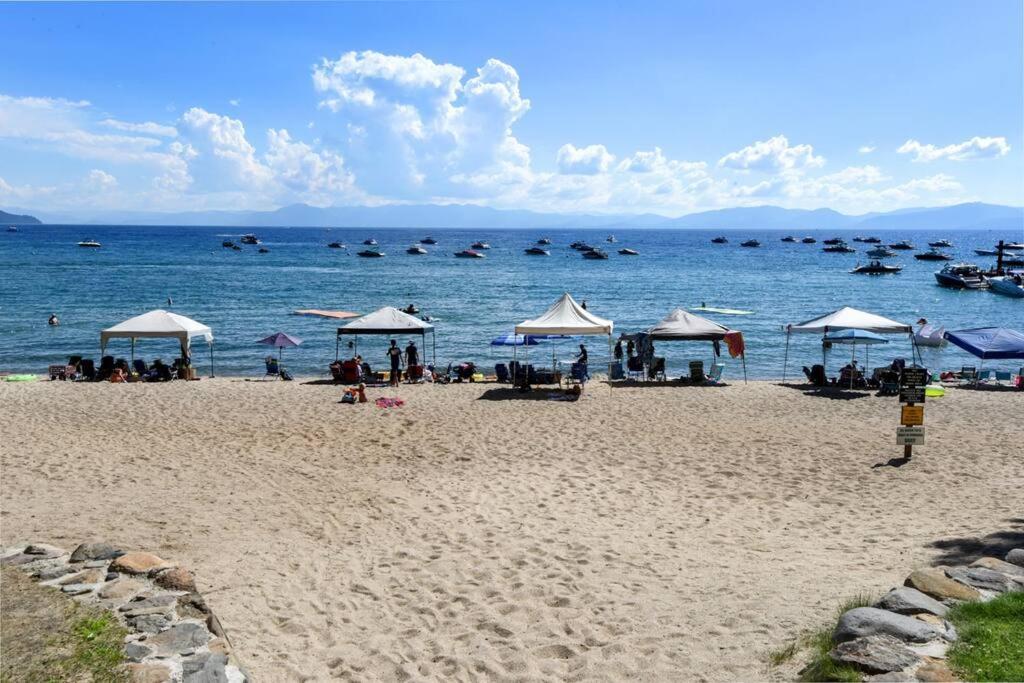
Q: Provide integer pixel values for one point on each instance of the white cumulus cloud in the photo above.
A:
(588, 160)
(100, 181)
(148, 127)
(773, 154)
(975, 148)
(866, 149)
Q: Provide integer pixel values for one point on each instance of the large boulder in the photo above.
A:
(869, 621)
(934, 582)
(875, 654)
(999, 566)
(183, 639)
(139, 563)
(1016, 557)
(980, 577)
(207, 667)
(906, 600)
(95, 551)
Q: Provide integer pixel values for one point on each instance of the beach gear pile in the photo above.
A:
(389, 402)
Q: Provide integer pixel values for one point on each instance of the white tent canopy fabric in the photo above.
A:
(566, 317)
(847, 318)
(159, 323)
(387, 320)
(680, 324)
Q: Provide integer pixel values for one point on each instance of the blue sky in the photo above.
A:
(599, 107)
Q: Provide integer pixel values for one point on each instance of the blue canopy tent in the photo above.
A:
(515, 340)
(854, 337)
(989, 342)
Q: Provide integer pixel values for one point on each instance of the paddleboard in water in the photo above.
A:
(723, 311)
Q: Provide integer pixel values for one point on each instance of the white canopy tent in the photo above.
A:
(160, 323)
(566, 317)
(681, 325)
(847, 318)
(387, 321)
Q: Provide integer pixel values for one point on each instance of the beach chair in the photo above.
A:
(968, 375)
(88, 370)
(273, 368)
(335, 369)
(889, 383)
(617, 372)
(501, 372)
(57, 372)
(697, 372)
(140, 366)
(657, 370)
(817, 377)
(635, 368)
(578, 373)
(715, 375)
(1003, 377)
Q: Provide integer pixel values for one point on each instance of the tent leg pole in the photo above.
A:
(211, 361)
(744, 359)
(515, 361)
(785, 362)
(133, 352)
(337, 347)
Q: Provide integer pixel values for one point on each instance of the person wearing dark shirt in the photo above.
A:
(581, 357)
(412, 359)
(395, 356)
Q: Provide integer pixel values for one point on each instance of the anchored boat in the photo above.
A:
(876, 268)
(961, 276)
(933, 254)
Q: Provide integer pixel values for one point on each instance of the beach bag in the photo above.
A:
(286, 376)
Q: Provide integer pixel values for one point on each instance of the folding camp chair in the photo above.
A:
(715, 375)
(501, 372)
(968, 375)
(273, 368)
(635, 368)
(657, 370)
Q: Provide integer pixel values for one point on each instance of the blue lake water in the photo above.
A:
(246, 295)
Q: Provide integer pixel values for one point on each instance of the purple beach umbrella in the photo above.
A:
(280, 340)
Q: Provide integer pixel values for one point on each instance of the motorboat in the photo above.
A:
(628, 252)
(719, 240)
(479, 245)
(263, 250)
(544, 240)
(370, 242)
(880, 252)
(1007, 285)
(834, 240)
(468, 253)
(929, 335)
(933, 254)
(751, 243)
(876, 268)
(249, 238)
(986, 252)
(941, 243)
(871, 240)
(610, 239)
(789, 238)
(235, 247)
(227, 244)
(371, 253)
(1013, 261)
(902, 244)
(595, 255)
(840, 248)
(416, 249)
(537, 251)
(11, 228)
(428, 240)
(858, 238)
(809, 240)
(961, 276)
(336, 245)
(89, 242)
(1013, 246)
(580, 246)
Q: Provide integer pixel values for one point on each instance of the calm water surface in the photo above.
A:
(246, 295)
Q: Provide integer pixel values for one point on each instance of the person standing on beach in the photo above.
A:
(618, 351)
(412, 359)
(395, 356)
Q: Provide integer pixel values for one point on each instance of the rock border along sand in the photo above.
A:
(904, 636)
(172, 634)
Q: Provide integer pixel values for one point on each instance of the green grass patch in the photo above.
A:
(46, 636)
(821, 667)
(991, 644)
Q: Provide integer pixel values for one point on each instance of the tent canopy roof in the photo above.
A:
(159, 323)
(989, 342)
(680, 324)
(387, 320)
(853, 336)
(566, 316)
(847, 318)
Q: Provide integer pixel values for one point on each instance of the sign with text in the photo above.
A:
(914, 377)
(912, 415)
(910, 436)
(911, 394)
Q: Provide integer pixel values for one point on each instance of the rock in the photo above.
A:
(193, 606)
(180, 639)
(136, 652)
(149, 673)
(934, 582)
(999, 566)
(92, 564)
(161, 600)
(121, 588)
(32, 553)
(892, 677)
(78, 588)
(139, 563)
(213, 623)
(980, 577)
(935, 648)
(935, 671)
(176, 579)
(867, 621)
(44, 550)
(95, 551)
(874, 653)
(946, 629)
(87, 576)
(906, 600)
(149, 623)
(54, 572)
(220, 646)
(204, 668)
(1016, 557)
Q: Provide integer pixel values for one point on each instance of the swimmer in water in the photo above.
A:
(170, 302)
(53, 320)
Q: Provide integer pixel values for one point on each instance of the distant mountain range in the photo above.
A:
(15, 219)
(957, 217)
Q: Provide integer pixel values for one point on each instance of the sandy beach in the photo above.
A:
(660, 533)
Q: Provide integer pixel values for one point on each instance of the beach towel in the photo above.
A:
(734, 340)
(388, 402)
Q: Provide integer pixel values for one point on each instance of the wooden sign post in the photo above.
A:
(912, 393)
